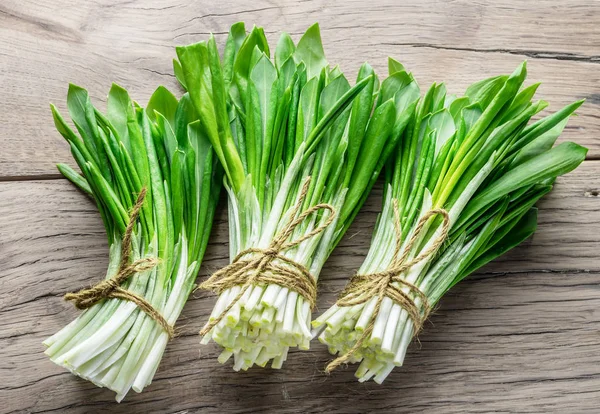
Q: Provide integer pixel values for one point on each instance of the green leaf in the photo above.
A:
(506, 94)
(521, 101)
(470, 115)
(206, 85)
(237, 34)
(394, 66)
(545, 124)
(359, 117)
(263, 76)
(243, 60)
(308, 110)
(163, 102)
(522, 229)
(310, 51)
(393, 84)
(557, 161)
(285, 49)
(442, 123)
(457, 106)
(484, 91)
(340, 106)
(179, 73)
(178, 190)
(75, 178)
(539, 145)
(439, 98)
(119, 111)
(378, 132)
(83, 116)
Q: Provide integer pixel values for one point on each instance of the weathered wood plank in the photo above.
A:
(524, 340)
(48, 44)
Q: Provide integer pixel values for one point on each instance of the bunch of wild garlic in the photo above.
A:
(473, 159)
(161, 152)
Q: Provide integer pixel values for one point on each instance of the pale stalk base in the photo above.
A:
(114, 344)
(265, 323)
(384, 349)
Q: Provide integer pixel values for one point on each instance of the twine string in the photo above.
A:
(389, 282)
(111, 288)
(263, 267)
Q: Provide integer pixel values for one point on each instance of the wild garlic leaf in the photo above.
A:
(359, 117)
(235, 39)
(557, 161)
(75, 178)
(119, 111)
(284, 51)
(178, 71)
(540, 144)
(310, 51)
(242, 65)
(394, 66)
(164, 102)
(443, 123)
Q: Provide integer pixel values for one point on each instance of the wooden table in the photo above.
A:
(522, 335)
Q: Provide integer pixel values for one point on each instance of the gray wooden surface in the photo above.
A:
(522, 335)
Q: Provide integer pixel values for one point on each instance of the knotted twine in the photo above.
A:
(262, 266)
(381, 284)
(111, 288)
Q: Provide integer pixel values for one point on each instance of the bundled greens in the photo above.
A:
(476, 161)
(301, 149)
(161, 153)
(298, 149)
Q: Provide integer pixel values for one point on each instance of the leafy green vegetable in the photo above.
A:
(114, 343)
(475, 157)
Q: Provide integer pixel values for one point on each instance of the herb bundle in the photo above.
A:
(301, 149)
(459, 191)
(160, 154)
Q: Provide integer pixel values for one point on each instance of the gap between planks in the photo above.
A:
(48, 177)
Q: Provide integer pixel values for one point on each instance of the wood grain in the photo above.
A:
(47, 44)
(521, 335)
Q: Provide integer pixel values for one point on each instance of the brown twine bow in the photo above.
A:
(111, 288)
(262, 268)
(381, 284)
